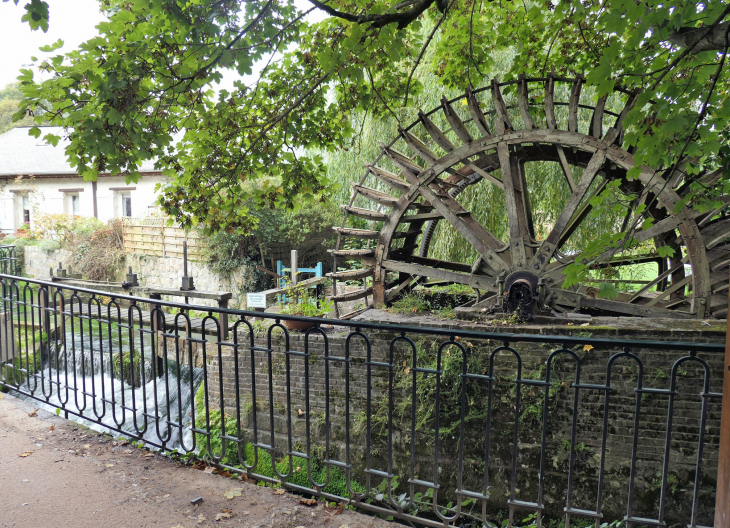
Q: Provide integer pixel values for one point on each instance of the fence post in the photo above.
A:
(294, 267)
(722, 498)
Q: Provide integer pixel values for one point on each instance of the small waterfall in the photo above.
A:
(113, 385)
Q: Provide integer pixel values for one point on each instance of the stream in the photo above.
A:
(156, 409)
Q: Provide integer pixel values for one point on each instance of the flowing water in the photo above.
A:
(89, 378)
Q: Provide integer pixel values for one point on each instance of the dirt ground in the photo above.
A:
(55, 473)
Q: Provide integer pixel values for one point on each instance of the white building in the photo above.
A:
(35, 178)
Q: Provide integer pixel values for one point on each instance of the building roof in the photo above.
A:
(22, 154)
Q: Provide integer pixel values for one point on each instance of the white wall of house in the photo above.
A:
(50, 185)
(52, 195)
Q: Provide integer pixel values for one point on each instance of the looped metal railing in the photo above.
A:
(429, 425)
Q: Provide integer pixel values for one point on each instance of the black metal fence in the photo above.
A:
(8, 259)
(427, 425)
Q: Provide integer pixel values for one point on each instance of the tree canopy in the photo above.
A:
(151, 70)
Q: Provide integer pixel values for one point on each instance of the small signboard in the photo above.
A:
(256, 300)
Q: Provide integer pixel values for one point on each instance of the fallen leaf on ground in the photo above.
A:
(279, 492)
(223, 515)
(209, 470)
(587, 348)
(33, 413)
(222, 472)
(109, 465)
(308, 502)
(149, 455)
(235, 492)
(87, 446)
(26, 454)
(301, 412)
(51, 428)
(586, 324)
(201, 519)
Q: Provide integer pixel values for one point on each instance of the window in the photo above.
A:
(26, 209)
(123, 202)
(21, 209)
(126, 204)
(72, 203)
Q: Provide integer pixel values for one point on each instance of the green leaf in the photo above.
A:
(607, 291)
(665, 251)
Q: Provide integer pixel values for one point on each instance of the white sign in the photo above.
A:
(255, 300)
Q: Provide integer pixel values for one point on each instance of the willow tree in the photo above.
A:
(150, 71)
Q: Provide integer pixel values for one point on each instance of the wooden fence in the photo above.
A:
(152, 236)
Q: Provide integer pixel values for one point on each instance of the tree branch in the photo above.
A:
(378, 21)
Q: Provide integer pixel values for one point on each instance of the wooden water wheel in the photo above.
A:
(492, 137)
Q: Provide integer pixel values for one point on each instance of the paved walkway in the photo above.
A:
(57, 474)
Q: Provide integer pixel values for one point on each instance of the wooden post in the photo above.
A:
(722, 499)
(223, 303)
(293, 267)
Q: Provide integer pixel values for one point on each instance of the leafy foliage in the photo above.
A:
(10, 98)
(146, 80)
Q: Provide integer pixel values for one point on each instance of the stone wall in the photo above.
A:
(37, 263)
(168, 272)
(327, 382)
(151, 271)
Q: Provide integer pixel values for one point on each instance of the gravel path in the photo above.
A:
(55, 473)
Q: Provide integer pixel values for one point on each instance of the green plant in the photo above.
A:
(300, 300)
(48, 245)
(413, 302)
(99, 254)
(128, 367)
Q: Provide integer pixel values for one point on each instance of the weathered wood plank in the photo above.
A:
(573, 104)
(435, 132)
(476, 113)
(523, 102)
(502, 122)
(390, 179)
(457, 125)
(368, 214)
(474, 281)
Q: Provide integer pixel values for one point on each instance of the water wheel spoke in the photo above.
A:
(565, 166)
(475, 281)
(482, 240)
(673, 288)
(581, 215)
(658, 280)
(550, 244)
(515, 205)
(502, 121)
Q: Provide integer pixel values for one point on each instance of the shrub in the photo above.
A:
(64, 227)
(99, 254)
(49, 245)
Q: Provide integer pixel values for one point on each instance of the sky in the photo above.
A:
(74, 26)
(18, 43)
